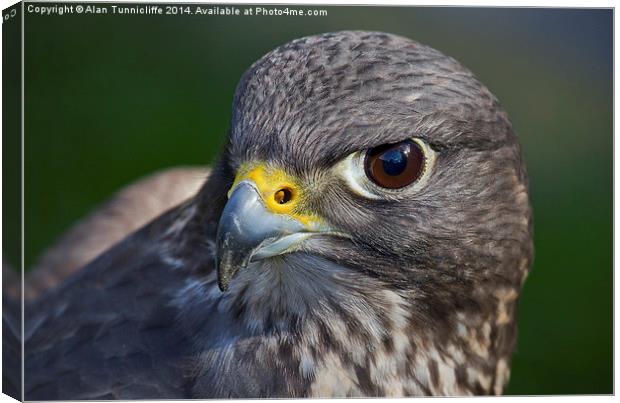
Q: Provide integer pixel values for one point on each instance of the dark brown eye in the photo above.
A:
(394, 166)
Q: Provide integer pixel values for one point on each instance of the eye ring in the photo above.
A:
(395, 166)
(352, 171)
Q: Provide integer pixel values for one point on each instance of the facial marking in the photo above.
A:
(281, 192)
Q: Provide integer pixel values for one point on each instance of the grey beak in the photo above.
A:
(248, 231)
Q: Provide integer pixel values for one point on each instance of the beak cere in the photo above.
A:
(256, 224)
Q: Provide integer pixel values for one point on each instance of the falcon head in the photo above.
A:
(378, 191)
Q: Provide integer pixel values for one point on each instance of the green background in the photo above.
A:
(112, 98)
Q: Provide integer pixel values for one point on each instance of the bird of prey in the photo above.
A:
(366, 232)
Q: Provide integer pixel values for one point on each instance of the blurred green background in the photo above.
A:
(112, 98)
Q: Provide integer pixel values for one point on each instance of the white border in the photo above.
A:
(478, 3)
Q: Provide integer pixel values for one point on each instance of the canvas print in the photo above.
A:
(306, 201)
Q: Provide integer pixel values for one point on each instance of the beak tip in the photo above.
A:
(223, 280)
(226, 272)
(223, 284)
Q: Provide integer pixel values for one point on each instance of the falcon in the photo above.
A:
(366, 232)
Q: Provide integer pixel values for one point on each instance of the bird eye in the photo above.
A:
(389, 171)
(394, 166)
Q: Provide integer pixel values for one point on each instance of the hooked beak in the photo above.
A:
(248, 231)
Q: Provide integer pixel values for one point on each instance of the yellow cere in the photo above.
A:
(280, 192)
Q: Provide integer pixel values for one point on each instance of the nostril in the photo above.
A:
(283, 195)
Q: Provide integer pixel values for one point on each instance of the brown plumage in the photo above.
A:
(294, 272)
